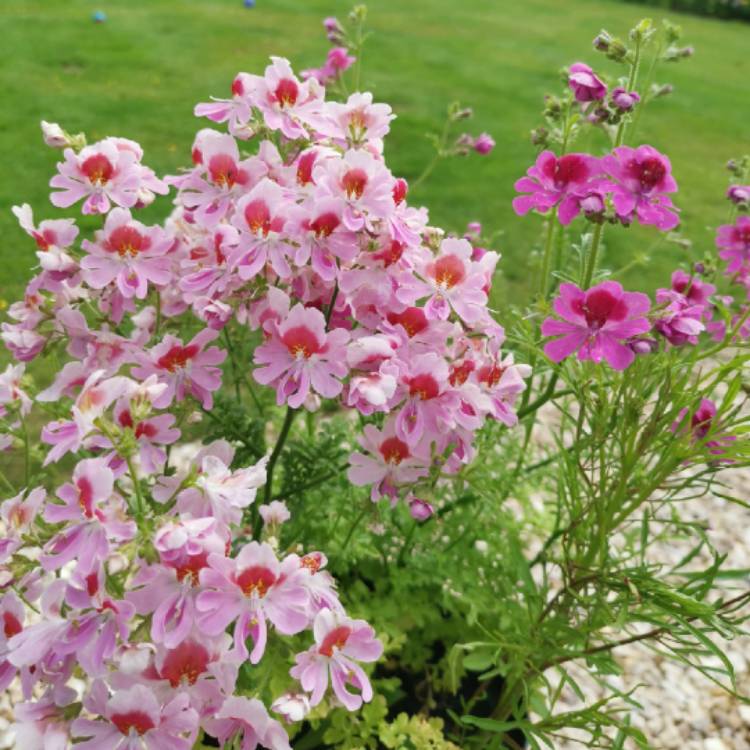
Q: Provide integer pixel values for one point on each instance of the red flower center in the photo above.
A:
(649, 172)
(312, 562)
(126, 240)
(258, 217)
(255, 579)
(569, 168)
(394, 451)
(337, 638)
(177, 357)
(424, 386)
(98, 168)
(301, 342)
(449, 271)
(286, 92)
(85, 496)
(460, 373)
(185, 664)
(413, 319)
(600, 306)
(237, 88)
(391, 253)
(223, 171)
(190, 568)
(490, 374)
(11, 625)
(325, 224)
(138, 720)
(741, 234)
(400, 189)
(354, 182)
(305, 168)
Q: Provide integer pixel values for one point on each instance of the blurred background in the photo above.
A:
(139, 73)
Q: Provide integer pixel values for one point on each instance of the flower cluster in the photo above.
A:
(141, 565)
(629, 184)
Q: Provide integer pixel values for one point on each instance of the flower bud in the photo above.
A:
(617, 50)
(292, 707)
(739, 194)
(699, 268)
(624, 100)
(664, 89)
(602, 41)
(643, 345)
(552, 107)
(54, 136)
(420, 510)
(642, 30)
(540, 136)
(484, 143)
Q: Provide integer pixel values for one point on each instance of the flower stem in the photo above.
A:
(290, 415)
(591, 260)
(547, 261)
(620, 136)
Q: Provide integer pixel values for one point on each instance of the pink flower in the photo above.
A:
(128, 253)
(734, 243)
(100, 173)
(452, 281)
(358, 120)
(275, 513)
(337, 61)
(52, 239)
(187, 370)
(12, 616)
(340, 643)
(483, 144)
(292, 707)
(134, 718)
(561, 182)
(584, 84)
(248, 719)
(362, 182)
(249, 589)
(643, 179)
(93, 483)
(595, 323)
(686, 306)
(18, 514)
(387, 465)
(300, 355)
(285, 103)
(260, 221)
(237, 111)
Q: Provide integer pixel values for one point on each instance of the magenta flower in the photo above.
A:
(483, 144)
(733, 241)
(134, 718)
(420, 510)
(301, 356)
(642, 180)
(387, 465)
(187, 370)
(703, 423)
(248, 719)
(585, 84)
(128, 253)
(680, 320)
(692, 288)
(337, 61)
(340, 643)
(561, 182)
(100, 173)
(739, 194)
(595, 323)
(248, 590)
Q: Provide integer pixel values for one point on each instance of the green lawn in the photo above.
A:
(139, 75)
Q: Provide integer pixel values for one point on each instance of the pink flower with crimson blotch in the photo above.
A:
(362, 182)
(236, 111)
(128, 253)
(643, 178)
(247, 590)
(585, 84)
(259, 218)
(135, 719)
(149, 433)
(285, 103)
(563, 182)
(452, 281)
(187, 370)
(17, 514)
(701, 425)
(301, 356)
(337, 61)
(595, 323)
(340, 643)
(248, 720)
(12, 616)
(52, 238)
(430, 402)
(388, 464)
(358, 120)
(733, 241)
(680, 320)
(100, 173)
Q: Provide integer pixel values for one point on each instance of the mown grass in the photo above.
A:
(140, 73)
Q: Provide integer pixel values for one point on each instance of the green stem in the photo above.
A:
(547, 260)
(136, 486)
(407, 542)
(290, 415)
(354, 525)
(620, 136)
(7, 483)
(591, 260)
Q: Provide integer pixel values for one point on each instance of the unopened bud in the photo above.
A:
(602, 41)
(699, 268)
(642, 30)
(617, 50)
(464, 114)
(552, 107)
(540, 136)
(664, 89)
